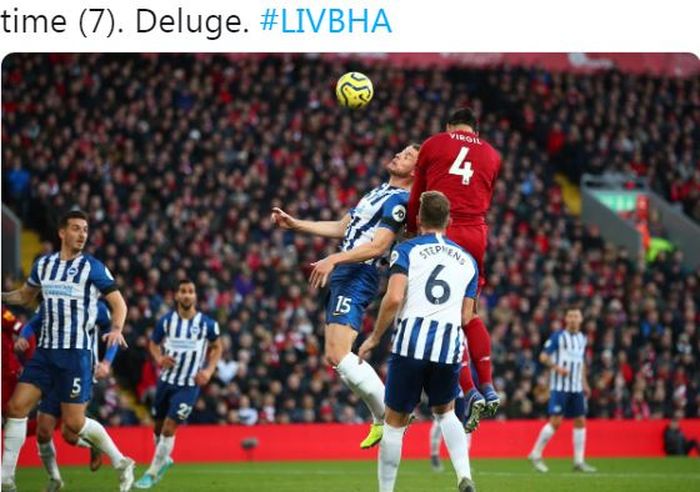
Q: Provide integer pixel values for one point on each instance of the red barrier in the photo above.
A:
(510, 439)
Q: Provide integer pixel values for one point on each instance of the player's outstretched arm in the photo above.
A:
(395, 293)
(383, 239)
(326, 228)
(22, 296)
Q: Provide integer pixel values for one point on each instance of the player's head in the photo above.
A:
(434, 211)
(73, 231)
(403, 164)
(186, 295)
(573, 318)
(462, 118)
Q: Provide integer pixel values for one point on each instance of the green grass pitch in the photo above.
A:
(619, 475)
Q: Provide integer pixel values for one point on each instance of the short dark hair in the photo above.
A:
(72, 214)
(464, 116)
(185, 280)
(572, 307)
(434, 210)
(415, 146)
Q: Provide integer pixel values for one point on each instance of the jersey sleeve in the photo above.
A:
(34, 279)
(102, 277)
(104, 317)
(159, 332)
(473, 286)
(394, 212)
(213, 331)
(399, 261)
(552, 344)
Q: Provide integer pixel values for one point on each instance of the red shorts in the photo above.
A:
(472, 238)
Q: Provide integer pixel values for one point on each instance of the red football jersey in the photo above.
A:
(464, 167)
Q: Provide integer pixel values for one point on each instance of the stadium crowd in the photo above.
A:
(179, 160)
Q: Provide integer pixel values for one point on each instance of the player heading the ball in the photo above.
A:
(368, 231)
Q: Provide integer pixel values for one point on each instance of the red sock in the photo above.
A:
(465, 375)
(479, 343)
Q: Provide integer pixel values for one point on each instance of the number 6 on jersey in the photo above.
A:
(462, 167)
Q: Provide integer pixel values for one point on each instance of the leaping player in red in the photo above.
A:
(463, 166)
(11, 363)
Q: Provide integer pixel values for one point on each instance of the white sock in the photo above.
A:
(94, 433)
(163, 450)
(469, 442)
(435, 438)
(365, 383)
(456, 443)
(579, 444)
(389, 457)
(82, 443)
(47, 453)
(15, 433)
(545, 435)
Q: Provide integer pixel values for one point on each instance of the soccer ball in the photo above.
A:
(354, 90)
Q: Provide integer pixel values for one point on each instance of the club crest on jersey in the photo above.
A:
(394, 257)
(72, 271)
(398, 213)
(195, 330)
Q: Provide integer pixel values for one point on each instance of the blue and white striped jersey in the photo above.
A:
(567, 350)
(185, 340)
(103, 322)
(440, 275)
(384, 206)
(71, 289)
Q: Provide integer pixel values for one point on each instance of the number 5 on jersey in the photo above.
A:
(462, 167)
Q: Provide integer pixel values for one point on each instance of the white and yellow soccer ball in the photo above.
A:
(354, 90)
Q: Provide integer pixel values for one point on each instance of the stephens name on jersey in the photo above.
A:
(440, 275)
(185, 340)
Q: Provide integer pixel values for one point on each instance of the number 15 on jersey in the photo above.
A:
(462, 167)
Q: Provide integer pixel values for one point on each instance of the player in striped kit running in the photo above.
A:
(430, 296)
(565, 356)
(70, 283)
(180, 343)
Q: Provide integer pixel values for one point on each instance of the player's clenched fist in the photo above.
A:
(283, 219)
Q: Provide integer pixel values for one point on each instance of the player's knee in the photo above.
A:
(69, 436)
(16, 409)
(74, 423)
(335, 352)
(168, 429)
(44, 433)
(579, 422)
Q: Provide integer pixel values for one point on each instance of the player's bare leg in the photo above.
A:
(24, 398)
(90, 430)
(164, 437)
(75, 440)
(46, 424)
(579, 438)
(543, 438)
(358, 376)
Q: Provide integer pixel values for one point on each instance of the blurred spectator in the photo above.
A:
(675, 442)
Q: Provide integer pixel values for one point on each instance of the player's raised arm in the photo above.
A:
(326, 228)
